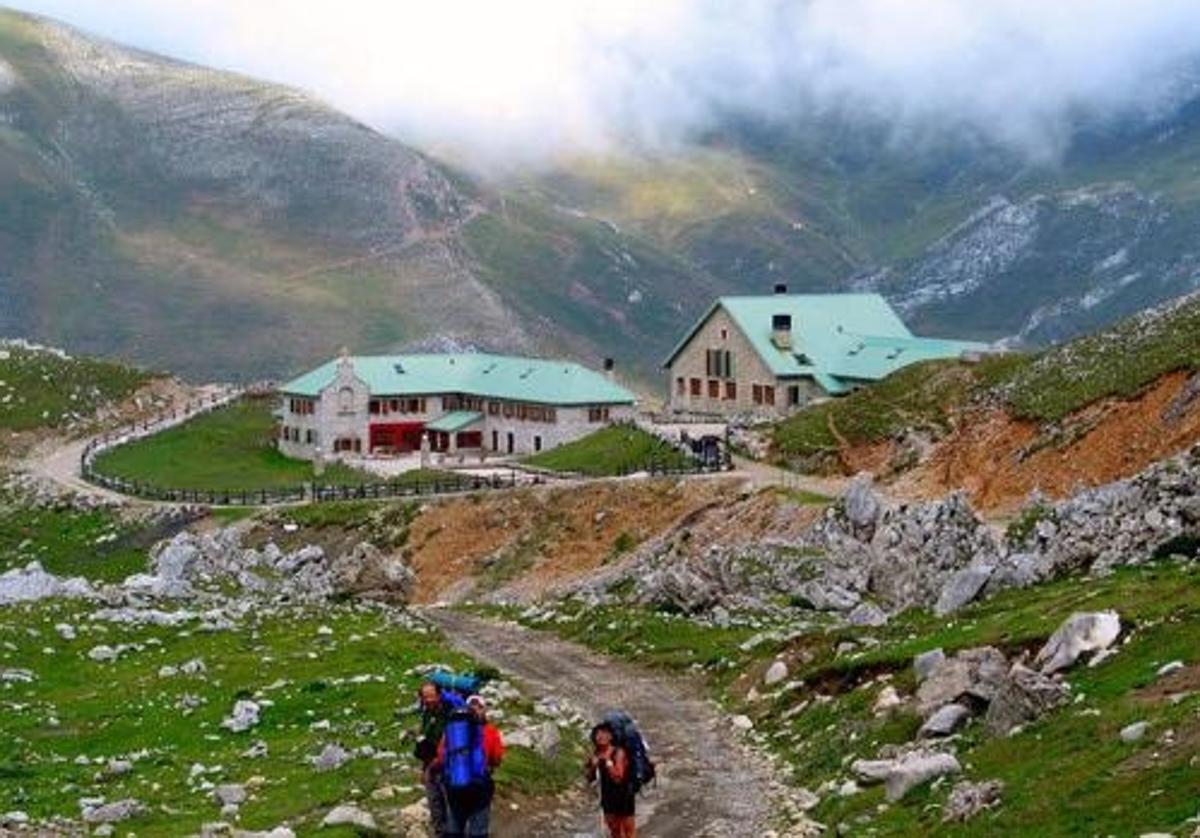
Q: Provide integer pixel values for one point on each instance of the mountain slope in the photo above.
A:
(217, 225)
(966, 239)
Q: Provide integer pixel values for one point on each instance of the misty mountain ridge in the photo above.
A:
(221, 226)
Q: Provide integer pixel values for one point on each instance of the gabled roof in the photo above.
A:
(471, 373)
(835, 337)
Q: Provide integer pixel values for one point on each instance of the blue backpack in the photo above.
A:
(466, 763)
(630, 738)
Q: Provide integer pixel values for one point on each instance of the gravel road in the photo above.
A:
(709, 785)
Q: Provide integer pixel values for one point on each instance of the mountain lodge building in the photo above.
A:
(772, 354)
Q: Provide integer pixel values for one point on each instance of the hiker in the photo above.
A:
(470, 750)
(612, 766)
(435, 713)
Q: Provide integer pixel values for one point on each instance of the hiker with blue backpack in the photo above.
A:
(470, 750)
(621, 763)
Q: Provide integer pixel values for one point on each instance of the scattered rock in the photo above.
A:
(31, 584)
(887, 701)
(331, 758)
(915, 770)
(1023, 696)
(775, 673)
(230, 794)
(244, 716)
(1134, 732)
(1167, 668)
(944, 721)
(119, 810)
(962, 588)
(348, 814)
(1081, 633)
(742, 723)
(968, 799)
(972, 673)
(926, 662)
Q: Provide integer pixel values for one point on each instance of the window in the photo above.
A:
(714, 388)
(731, 391)
(508, 410)
(374, 407)
(597, 414)
(537, 443)
(346, 400)
(310, 437)
(493, 410)
(768, 394)
(794, 394)
(718, 363)
(695, 385)
(724, 334)
(756, 393)
(680, 386)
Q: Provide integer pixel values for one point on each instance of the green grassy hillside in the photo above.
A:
(1066, 774)
(44, 389)
(1120, 361)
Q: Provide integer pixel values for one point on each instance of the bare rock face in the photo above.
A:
(1079, 635)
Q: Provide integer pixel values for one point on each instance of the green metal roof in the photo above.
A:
(836, 338)
(471, 373)
(455, 420)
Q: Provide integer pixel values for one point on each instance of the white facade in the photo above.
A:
(346, 420)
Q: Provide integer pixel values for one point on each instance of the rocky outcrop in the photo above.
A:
(32, 583)
(866, 558)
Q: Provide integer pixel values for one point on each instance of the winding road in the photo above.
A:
(709, 786)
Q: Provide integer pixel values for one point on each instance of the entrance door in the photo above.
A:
(495, 440)
(510, 442)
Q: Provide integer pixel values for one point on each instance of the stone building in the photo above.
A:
(771, 354)
(476, 402)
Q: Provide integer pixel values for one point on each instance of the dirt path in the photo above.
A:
(708, 786)
(761, 475)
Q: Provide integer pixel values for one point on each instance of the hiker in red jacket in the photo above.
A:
(611, 765)
(467, 774)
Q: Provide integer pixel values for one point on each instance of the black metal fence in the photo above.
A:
(695, 462)
(318, 492)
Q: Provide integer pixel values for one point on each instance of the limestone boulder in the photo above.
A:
(1081, 634)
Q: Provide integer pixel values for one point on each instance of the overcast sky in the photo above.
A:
(519, 79)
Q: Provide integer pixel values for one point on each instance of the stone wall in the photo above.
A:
(721, 332)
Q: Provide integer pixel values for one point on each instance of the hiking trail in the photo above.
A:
(709, 785)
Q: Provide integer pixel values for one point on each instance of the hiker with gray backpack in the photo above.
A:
(621, 763)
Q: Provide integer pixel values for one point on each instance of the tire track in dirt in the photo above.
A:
(709, 784)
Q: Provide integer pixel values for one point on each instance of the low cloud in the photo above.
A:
(525, 80)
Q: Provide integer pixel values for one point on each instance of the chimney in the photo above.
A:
(609, 367)
(781, 331)
(780, 287)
